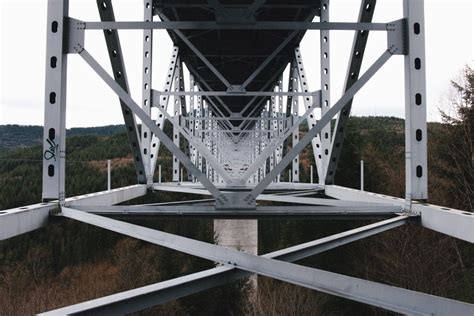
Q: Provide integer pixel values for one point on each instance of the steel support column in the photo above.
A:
(54, 137)
(162, 102)
(416, 166)
(146, 136)
(311, 120)
(293, 110)
(325, 71)
(176, 117)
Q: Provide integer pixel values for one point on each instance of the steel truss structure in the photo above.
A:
(232, 126)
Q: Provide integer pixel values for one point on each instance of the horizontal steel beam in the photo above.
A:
(237, 93)
(386, 205)
(211, 25)
(325, 201)
(368, 292)
(20, 220)
(193, 210)
(277, 186)
(452, 222)
(186, 202)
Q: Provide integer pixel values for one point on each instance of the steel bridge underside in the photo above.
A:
(233, 52)
(235, 135)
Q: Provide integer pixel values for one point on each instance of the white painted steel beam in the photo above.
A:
(416, 154)
(311, 119)
(325, 75)
(17, 221)
(162, 102)
(54, 134)
(452, 222)
(146, 134)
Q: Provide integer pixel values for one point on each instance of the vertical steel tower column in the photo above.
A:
(146, 90)
(54, 138)
(280, 115)
(416, 169)
(311, 119)
(176, 113)
(293, 110)
(325, 134)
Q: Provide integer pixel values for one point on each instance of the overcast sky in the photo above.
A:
(449, 46)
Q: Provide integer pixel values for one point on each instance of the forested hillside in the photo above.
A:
(16, 136)
(69, 262)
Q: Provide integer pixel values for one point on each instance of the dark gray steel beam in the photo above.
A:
(198, 53)
(237, 93)
(112, 40)
(260, 212)
(448, 221)
(201, 82)
(194, 4)
(358, 49)
(275, 52)
(152, 295)
(260, 25)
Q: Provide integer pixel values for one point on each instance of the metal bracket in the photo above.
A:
(74, 36)
(235, 201)
(397, 39)
(236, 89)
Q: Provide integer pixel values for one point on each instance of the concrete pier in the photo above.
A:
(238, 234)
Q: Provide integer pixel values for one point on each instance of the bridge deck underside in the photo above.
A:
(236, 54)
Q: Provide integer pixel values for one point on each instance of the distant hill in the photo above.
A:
(21, 136)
